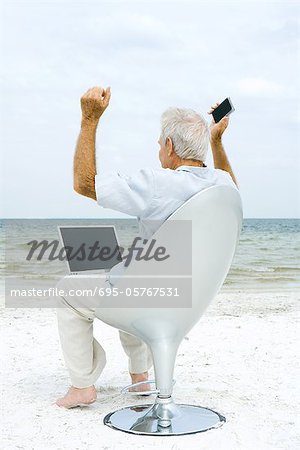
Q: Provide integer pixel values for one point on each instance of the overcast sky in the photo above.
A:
(153, 55)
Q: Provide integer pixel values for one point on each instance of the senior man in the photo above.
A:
(150, 195)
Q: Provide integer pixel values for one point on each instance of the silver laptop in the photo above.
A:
(90, 249)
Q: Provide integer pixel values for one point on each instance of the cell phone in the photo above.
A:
(224, 109)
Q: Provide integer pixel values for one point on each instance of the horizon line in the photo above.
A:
(126, 218)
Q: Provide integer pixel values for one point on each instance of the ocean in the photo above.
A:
(267, 257)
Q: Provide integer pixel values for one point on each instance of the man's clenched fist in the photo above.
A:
(94, 102)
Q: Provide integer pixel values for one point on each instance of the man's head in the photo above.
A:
(184, 138)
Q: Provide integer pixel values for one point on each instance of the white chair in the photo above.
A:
(216, 217)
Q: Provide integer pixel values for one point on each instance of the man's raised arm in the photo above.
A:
(219, 155)
(93, 104)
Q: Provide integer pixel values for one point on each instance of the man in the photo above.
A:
(151, 196)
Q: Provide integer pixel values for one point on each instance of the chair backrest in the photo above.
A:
(216, 217)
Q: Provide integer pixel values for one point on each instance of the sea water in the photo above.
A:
(266, 259)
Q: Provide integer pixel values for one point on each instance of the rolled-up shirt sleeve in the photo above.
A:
(226, 177)
(129, 194)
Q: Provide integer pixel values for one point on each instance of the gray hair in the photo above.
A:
(188, 130)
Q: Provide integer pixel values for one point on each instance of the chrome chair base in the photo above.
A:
(164, 418)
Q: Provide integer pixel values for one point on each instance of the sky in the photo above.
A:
(153, 54)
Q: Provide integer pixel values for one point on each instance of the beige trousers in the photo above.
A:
(84, 356)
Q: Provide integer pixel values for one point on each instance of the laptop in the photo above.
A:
(90, 249)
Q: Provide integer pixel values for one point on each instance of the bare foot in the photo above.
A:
(136, 378)
(78, 397)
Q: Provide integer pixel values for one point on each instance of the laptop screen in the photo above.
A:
(90, 248)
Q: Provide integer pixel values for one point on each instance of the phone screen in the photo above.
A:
(222, 110)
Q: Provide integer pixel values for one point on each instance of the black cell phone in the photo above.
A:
(224, 109)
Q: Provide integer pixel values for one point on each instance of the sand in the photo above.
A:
(240, 360)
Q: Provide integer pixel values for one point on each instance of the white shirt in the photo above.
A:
(154, 194)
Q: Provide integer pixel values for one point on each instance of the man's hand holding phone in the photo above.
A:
(220, 113)
(218, 125)
(217, 129)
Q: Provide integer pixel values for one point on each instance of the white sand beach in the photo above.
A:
(240, 360)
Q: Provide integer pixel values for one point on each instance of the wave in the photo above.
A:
(236, 270)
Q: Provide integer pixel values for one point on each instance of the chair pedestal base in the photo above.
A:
(164, 418)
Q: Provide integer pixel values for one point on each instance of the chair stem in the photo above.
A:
(164, 355)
